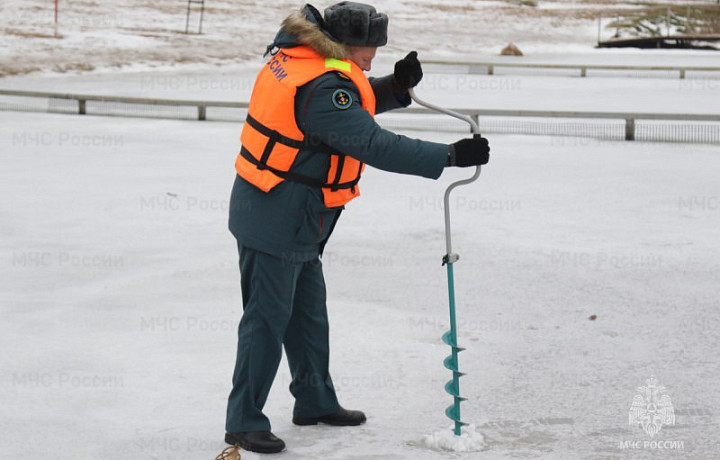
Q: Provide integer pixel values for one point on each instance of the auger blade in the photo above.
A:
(452, 413)
(447, 338)
(451, 363)
(451, 387)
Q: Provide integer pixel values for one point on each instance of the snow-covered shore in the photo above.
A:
(134, 34)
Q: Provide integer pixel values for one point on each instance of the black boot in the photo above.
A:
(343, 417)
(263, 442)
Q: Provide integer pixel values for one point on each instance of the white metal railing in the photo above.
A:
(82, 100)
(479, 67)
(629, 117)
(201, 107)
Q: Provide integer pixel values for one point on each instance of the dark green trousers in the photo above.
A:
(284, 304)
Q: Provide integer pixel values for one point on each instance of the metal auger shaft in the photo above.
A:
(450, 337)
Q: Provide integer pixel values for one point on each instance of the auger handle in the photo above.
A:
(450, 257)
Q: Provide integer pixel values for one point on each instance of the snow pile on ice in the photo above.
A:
(468, 441)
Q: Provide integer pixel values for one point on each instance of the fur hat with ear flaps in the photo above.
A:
(346, 23)
(357, 24)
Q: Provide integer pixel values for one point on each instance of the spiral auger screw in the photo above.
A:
(451, 362)
(452, 387)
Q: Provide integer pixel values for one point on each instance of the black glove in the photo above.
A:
(469, 152)
(408, 72)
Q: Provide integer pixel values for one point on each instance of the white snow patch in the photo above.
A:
(469, 440)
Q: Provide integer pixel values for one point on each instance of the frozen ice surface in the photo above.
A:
(120, 296)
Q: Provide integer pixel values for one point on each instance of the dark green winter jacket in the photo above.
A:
(291, 221)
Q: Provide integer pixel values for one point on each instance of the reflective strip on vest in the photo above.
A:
(338, 64)
(271, 138)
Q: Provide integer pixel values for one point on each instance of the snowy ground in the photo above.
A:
(120, 297)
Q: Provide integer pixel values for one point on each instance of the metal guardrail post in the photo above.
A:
(491, 70)
(629, 129)
(82, 106)
(583, 71)
(476, 69)
(202, 112)
(682, 74)
(202, 14)
(187, 18)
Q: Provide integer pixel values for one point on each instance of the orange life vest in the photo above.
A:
(271, 138)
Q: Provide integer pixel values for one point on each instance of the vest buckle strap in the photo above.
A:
(338, 173)
(271, 133)
(295, 177)
(272, 140)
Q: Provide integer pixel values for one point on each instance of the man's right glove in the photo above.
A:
(469, 152)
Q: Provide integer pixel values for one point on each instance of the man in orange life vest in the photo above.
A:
(308, 133)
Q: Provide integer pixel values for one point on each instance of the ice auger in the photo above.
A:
(450, 337)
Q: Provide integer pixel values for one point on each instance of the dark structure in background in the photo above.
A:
(696, 26)
(668, 41)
